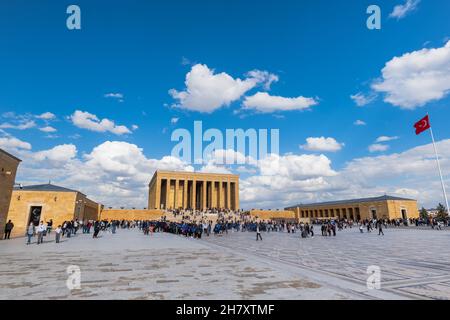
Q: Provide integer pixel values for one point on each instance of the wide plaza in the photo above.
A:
(414, 264)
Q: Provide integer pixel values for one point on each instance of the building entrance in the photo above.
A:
(35, 215)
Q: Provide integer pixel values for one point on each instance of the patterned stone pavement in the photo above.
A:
(128, 265)
(413, 263)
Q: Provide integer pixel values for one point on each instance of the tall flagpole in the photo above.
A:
(440, 171)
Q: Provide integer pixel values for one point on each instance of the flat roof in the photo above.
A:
(192, 173)
(196, 173)
(10, 155)
(372, 199)
(45, 187)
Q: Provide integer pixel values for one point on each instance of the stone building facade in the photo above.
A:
(192, 190)
(262, 215)
(47, 201)
(131, 214)
(8, 169)
(384, 207)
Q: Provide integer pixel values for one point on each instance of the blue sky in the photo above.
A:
(139, 50)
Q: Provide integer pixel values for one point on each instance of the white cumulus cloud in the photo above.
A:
(13, 144)
(386, 138)
(361, 99)
(264, 77)
(296, 166)
(46, 116)
(322, 144)
(416, 78)
(60, 153)
(90, 121)
(378, 147)
(47, 129)
(402, 10)
(265, 103)
(114, 95)
(22, 125)
(207, 91)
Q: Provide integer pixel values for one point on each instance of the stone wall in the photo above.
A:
(272, 214)
(131, 214)
(86, 209)
(395, 209)
(8, 169)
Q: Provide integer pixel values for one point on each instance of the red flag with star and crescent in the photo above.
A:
(422, 125)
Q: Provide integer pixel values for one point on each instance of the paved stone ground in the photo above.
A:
(413, 263)
(129, 265)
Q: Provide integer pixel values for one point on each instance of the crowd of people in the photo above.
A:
(195, 224)
(69, 229)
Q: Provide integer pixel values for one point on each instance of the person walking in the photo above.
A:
(30, 232)
(75, 227)
(380, 228)
(96, 229)
(69, 229)
(8, 228)
(81, 226)
(58, 232)
(49, 226)
(64, 228)
(152, 229)
(40, 232)
(258, 232)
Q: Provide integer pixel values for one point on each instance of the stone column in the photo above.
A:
(210, 194)
(194, 194)
(176, 198)
(236, 196)
(220, 202)
(157, 194)
(204, 195)
(228, 205)
(185, 194)
(167, 193)
(213, 195)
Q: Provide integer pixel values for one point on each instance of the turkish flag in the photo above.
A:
(422, 125)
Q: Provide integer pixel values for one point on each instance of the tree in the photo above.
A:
(423, 213)
(441, 212)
